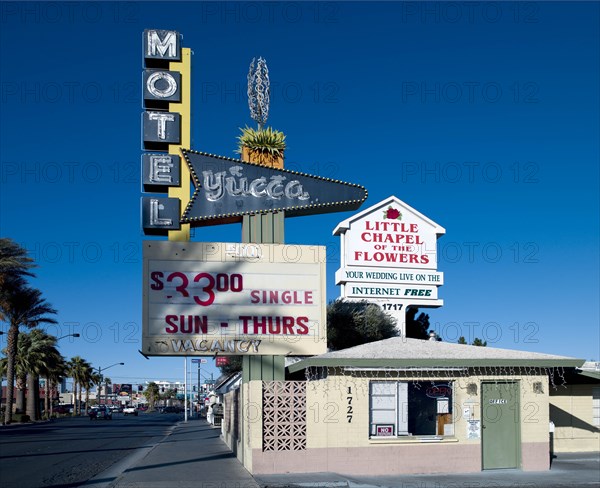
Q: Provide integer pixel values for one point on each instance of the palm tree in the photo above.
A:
(151, 393)
(14, 261)
(56, 370)
(14, 264)
(107, 382)
(87, 383)
(79, 369)
(20, 305)
(96, 380)
(36, 355)
(2, 373)
(74, 371)
(33, 396)
(21, 369)
(41, 355)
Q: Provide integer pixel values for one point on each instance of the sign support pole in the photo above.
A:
(184, 108)
(265, 228)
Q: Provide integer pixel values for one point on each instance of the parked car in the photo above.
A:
(100, 412)
(172, 410)
(130, 410)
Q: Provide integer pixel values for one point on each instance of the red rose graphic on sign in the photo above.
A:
(392, 213)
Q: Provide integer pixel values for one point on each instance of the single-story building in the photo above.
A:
(575, 411)
(399, 406)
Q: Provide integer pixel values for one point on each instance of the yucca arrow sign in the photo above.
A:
(228, 189)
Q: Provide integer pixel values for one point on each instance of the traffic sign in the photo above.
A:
(201, 361)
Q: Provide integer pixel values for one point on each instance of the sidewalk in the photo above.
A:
(572, 470)
(192, 455)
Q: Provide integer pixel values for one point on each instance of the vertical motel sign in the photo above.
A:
(165, 127)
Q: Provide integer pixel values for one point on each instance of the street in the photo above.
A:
(160, 451)
(69, 451)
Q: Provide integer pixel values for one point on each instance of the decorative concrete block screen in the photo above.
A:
(284, 415)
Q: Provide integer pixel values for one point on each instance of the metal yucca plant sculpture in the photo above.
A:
(263, 145)
(267, 140)
(259, 91)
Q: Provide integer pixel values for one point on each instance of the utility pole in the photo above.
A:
(105, 386)
(185, 399)
(199, 384)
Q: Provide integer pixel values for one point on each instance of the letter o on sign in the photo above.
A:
(166, 92)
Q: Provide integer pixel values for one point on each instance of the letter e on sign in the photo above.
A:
(160, 171)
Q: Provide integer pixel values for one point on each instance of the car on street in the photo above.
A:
(172, 409)
(130, 410)
(100, 412)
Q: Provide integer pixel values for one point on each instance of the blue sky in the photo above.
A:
(482, 116)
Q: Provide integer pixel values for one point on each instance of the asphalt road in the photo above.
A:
(67, 452)
(70, 452)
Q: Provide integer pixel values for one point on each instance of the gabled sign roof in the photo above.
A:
(228, 189)
(343, 226)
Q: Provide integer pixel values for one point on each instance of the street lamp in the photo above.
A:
(48, 392)
(101, 378)
(76, 334)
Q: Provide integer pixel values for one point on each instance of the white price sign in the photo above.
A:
(204, 299)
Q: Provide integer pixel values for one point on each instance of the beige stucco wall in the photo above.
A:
(571, 412)
(252, 426)
(327, 403)
(337, 443)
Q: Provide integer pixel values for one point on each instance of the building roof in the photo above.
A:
(590, 369)
(226, 382)
(401, 352)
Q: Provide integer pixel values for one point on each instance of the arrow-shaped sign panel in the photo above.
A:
(228, 189)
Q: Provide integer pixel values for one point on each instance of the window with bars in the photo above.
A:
(406, 408)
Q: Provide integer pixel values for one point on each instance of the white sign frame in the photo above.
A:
(390, 229)
(209, 298)
(389, 257)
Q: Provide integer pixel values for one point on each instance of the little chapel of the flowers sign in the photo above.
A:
(389, 256)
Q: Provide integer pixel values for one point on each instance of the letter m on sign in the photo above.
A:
(162, 44)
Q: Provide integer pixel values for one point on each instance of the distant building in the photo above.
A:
(164, 386)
